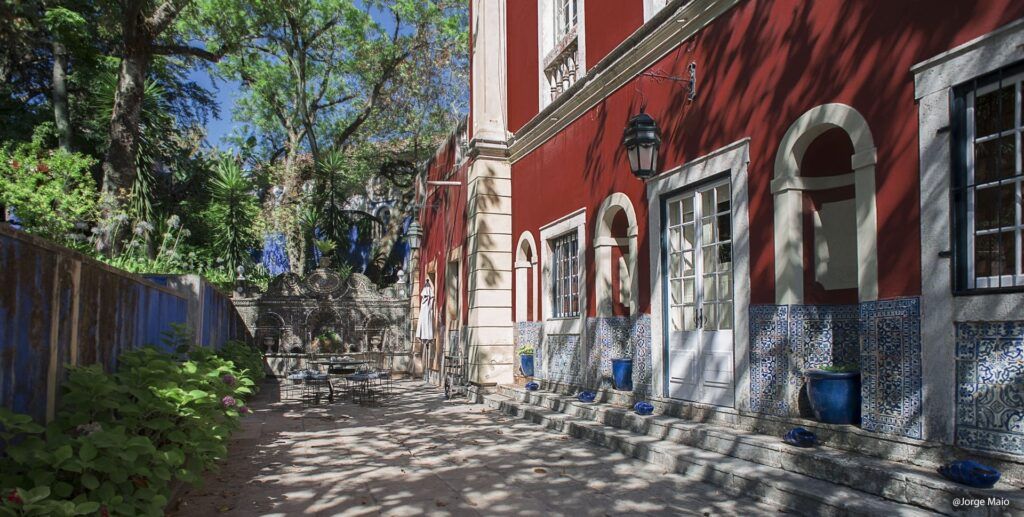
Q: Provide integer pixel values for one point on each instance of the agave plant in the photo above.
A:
(232, 213)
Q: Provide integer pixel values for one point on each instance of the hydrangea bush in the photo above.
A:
(119, 440)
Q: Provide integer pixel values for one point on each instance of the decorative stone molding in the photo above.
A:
(787, 187)
(603, 241)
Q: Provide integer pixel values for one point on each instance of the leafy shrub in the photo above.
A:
(118, 440)
(51, 191)
(246, 358)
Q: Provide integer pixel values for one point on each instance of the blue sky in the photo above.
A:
(225, 93)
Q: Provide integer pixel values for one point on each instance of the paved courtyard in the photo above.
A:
(420, 454)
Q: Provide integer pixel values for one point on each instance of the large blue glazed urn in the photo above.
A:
(526, 364)
(834, 396)
(622, 374)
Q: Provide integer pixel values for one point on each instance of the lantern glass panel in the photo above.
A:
(634, 159)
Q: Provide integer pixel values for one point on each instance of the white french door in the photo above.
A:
(699, 282)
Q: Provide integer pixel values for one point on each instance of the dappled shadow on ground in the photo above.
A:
(419, 454)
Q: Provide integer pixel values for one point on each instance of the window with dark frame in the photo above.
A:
(986, 187)
(565, 295)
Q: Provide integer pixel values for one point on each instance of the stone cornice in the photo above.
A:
(676, 23)
(485, 149)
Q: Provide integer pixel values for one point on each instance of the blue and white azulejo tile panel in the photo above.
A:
(769, 359)
(890, 361)
(561, 355)
(531, 333)
(990, 386)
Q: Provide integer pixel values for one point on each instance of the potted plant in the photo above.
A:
(834, 393)
(526, 360)
(622, 369)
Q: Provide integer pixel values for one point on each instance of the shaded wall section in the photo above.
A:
(59, 308)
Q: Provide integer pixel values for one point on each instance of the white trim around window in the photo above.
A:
(934, 82)
(573, 222)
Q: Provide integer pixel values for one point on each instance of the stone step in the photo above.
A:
(871, 477)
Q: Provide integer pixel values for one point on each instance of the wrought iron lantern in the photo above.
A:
(413, 235)
(642, 139)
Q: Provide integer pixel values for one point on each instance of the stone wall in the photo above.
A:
(295, 310)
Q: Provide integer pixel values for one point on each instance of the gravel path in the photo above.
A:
(419, 454)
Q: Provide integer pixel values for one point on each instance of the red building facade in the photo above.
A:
(824, 196)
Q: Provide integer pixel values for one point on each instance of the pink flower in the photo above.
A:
(228, 379)
(244, 410)
(14, 498)
(228, 401)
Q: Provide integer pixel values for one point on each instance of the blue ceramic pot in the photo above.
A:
(970, 473)
(622, 374)
(834, 396)
(586, 396)
(800, 437)
(526, 363)
(532, 386)
(643, 408)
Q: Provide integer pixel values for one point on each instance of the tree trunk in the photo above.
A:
(119, 167)
(60, 96)
(295, 238)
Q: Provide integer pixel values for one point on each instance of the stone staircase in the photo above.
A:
(815, 481)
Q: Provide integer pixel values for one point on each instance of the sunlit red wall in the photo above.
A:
(759, 67)
(443, 220)
(523, 62)
(608, 23)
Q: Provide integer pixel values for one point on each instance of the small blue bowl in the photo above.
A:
(800, 437)
(643, 408)
(586, 396)
(532, 386)
(970, 473)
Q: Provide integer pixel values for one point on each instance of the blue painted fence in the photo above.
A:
(59, 307)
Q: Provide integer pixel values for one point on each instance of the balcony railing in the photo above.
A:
(562, 65)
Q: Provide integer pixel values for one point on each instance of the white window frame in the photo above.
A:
(934, 81)
(970, 139)
(652, 7)
(549, 38)
(575, 221)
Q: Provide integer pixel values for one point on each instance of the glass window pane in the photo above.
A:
(994, 254)
(709, 316)
(724, 227)
(676, 314)
(709, 258)
(673, 213)
(673, 239)
(688, 238)
(994, 159)
(725, 257)
(688, 263)
(706, 231)
(994, 207)
(675, 268)
(709, 288)
(722, 198)
(689, 318)
(725, 316)
(707, 202)
(725, 286)
(676, 295)
(688, 288)
(993, 112)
